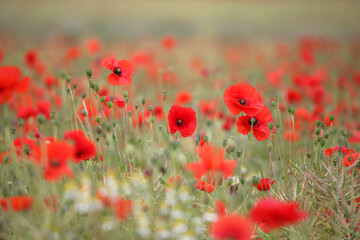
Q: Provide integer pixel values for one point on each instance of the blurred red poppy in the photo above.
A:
(203, 186)
(84, 147)
(271, 213)
(11, 81)
(54, 159)
(232, 227)
(212, 159)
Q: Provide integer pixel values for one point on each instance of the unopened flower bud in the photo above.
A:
(74, 86)
(98, 119)
(40, 118)
(273, 104)
(332, 117)
(270, 126)
(109, 104)
(150, 108)
(125, 93)
(230, 146)
(92, 84)
(20, 122)
(143, 101)
(89, 73)
(68, 78)
(102, 99)
(83, 95)
(277, 125)
(83, 112)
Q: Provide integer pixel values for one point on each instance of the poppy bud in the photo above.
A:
(20, 122)
(98, 118)
(230, 146)
(224, 142)
(160, 128)
(206, 139)
(92, 84)
(322, 143)
(89, 73)
(52, 114)
(111, 98)
(143, 101)
(289, 109)
(150, 108)
(238, 154)
(102, 99)
(319, 138)
(125, 93)
(270, 126)
(332, 117)
(109, 104)
(255, 180)
(164, 94)
(130, 113)
(136, 107)
(126, 99)
(83, 95)
(293, 110)
(273, 104)
(68, 78)
(67, 90)
(13, 131)
(208, 123)
(277, 125)
(40, 118)
(344, 133)
(96, 88)
(6, 158)
(308, 155)
(269, 146)
(162, 180)
(326, 136)
(63, 73)
(317, 131)
(152, 119)
(74, 86)
(83, 112)
(318, 123)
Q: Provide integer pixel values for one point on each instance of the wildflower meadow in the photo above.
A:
(175, 135)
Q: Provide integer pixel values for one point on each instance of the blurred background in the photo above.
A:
(219, 19)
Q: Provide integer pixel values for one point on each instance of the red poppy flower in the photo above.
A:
(31, 58)
(10, 81)
(93, 45)
(175, 179)
(355, 138)
(20, 144)
(242, 97)
(122, 208)
(55, 160)
(203, 186)
(350, 159)
(20, 203)
(260, 124)
(264, 184)
(169, 42)
(4, 204)
(182, 119)
(183, 98)
(212, 159)
(121, 71)
(84, 147)
(232, 227)
(220, 208)
(271, 213)
(330, 151)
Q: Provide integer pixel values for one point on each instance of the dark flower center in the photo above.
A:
(242, 101)
(253, 121)
(54, 163)
(179, 122)
(117, 71)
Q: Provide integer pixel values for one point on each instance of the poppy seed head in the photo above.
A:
(117, 71)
